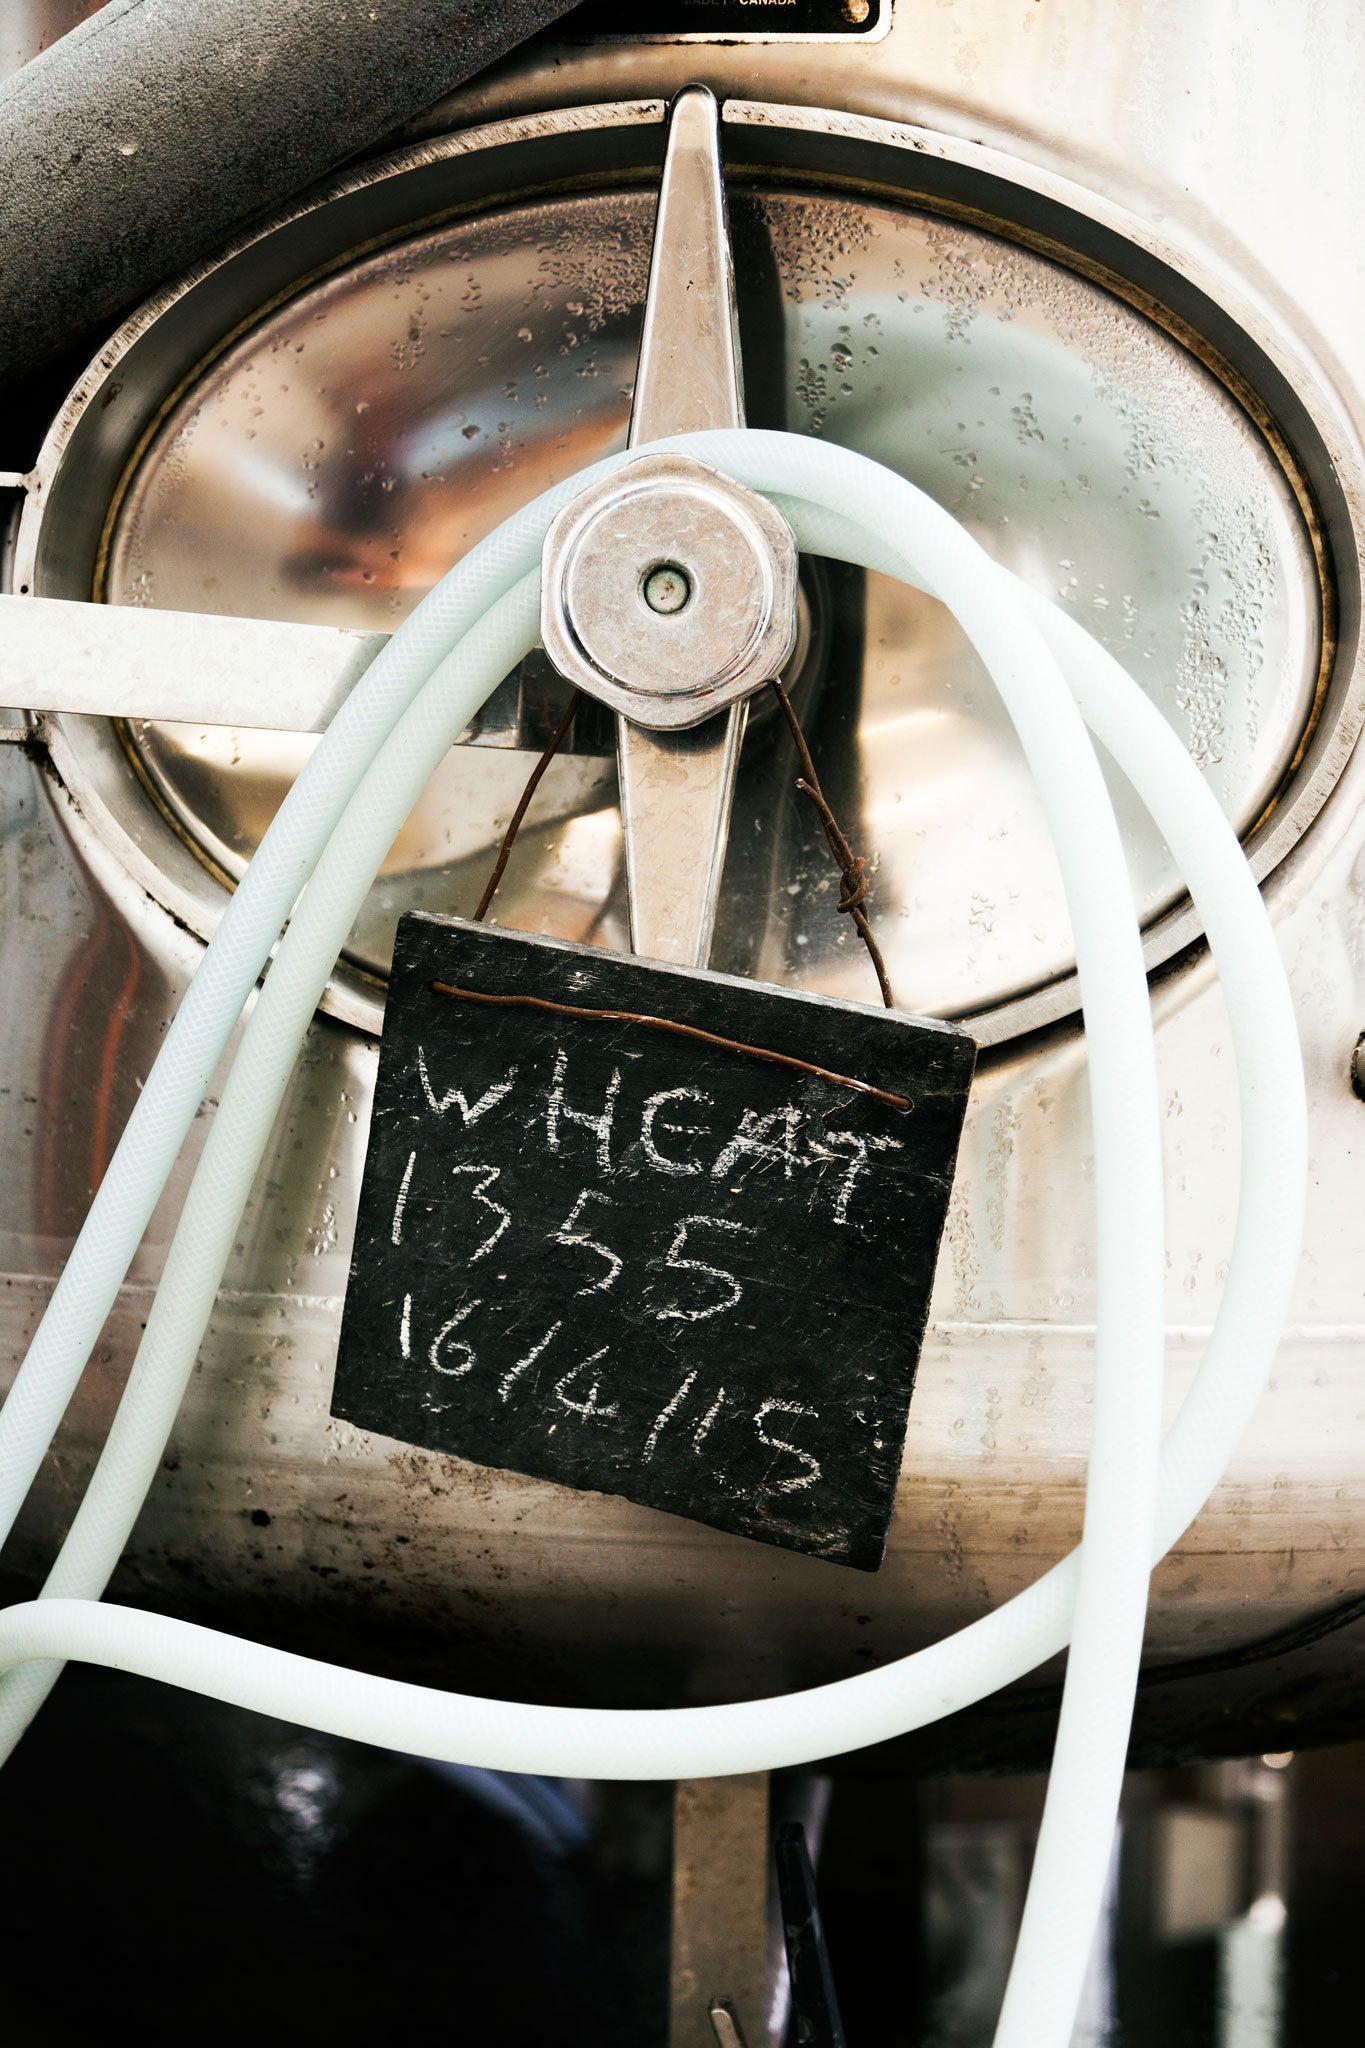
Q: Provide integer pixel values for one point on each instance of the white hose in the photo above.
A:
(805, 1726)
(240, 948)
(248, 1106)
(1078, 801)
(1274, 1163)
(1069, 1867)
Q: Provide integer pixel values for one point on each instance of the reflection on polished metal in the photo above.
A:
(677, 788)
(668, 592)
(326, 465)
(1163, 486)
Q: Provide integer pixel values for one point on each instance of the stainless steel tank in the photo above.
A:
(1077, 271)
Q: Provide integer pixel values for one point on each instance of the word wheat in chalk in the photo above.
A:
(620, 1259)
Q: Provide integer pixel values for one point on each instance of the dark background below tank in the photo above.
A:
(222, 1873)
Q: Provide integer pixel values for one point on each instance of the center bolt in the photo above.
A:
(666, 589)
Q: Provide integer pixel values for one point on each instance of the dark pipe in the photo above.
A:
(141, 140)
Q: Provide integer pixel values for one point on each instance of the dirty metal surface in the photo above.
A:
(721, 1865)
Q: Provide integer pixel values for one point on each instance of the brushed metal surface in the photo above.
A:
(677, 791)
(271, 1516)
(689, 364)
(718, 1936)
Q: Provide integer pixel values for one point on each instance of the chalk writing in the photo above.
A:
(486, 1175)
(702, 1430)
(557, 1109)
(646, 1263)
(732, 1291)
(455, 1097)
(751, 1141)
(666, 1415)
(567, 1234)
(396, 1231)
(589, 1407)
(509, 1379)
(860, 1149)
(666, 1162)
(439, 1364)
(777, 1443)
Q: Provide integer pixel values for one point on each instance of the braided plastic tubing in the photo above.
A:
(1045, 666)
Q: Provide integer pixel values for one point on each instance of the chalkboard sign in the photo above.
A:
(681, 1252)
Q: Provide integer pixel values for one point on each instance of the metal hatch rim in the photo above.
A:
(1174, 940)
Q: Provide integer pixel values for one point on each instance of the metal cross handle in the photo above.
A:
(669, 592)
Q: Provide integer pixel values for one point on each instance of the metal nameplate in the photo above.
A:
(730, 21)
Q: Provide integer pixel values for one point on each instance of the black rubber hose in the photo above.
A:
(141, 140)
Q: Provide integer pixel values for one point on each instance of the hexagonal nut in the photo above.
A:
(668, 591)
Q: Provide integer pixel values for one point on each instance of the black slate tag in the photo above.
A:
(606, 1254)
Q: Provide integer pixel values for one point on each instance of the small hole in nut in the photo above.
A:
(666, 588)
